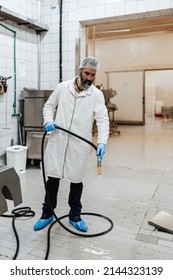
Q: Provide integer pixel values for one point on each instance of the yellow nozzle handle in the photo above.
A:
(99, 166)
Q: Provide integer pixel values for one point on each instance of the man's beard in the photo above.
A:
(84, 84)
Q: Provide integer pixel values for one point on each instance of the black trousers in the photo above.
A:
(74, 200)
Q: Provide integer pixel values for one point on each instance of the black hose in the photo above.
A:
(27, 212)
(18, 212)
(62, 217)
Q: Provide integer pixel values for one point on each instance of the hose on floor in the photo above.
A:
(16, 213)
(58, 219)
(27, 212)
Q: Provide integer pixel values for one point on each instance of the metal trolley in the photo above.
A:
(111, 107)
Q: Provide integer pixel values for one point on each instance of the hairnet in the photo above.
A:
(90, 62)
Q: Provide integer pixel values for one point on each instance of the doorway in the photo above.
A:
(158, 92)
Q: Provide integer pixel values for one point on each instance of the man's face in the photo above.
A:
(87, 76)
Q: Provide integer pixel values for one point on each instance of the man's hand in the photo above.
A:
(49, 126)
(101, 148)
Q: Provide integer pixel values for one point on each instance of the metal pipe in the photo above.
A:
(39, 60)
(14, 32)
(39, 49)
(60, 41)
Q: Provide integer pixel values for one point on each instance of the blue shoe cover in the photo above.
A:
(42, 223)
(80, 225)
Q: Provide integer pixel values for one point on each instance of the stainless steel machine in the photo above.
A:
(32, 128)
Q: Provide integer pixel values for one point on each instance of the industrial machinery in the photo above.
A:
(3, 84)
(111, 107)
(32, 124)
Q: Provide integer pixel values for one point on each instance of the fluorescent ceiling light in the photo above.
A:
(117, 30)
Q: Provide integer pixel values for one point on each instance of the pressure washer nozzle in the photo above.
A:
(99, 166)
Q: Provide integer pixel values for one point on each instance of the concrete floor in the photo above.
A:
(136, 184)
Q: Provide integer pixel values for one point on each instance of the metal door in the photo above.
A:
(130, 95)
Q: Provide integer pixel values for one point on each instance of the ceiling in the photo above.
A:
(133, 25)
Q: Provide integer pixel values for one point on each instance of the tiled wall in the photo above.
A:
(28, 8)
(47, 11)
(74, 12)
(26, 69)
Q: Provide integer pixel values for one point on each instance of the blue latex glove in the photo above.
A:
(101, 148)
(49, 126)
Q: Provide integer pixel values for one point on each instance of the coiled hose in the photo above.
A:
(83, 213)
(27, 212)
(16, 213)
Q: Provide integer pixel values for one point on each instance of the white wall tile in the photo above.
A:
(72, 15)
(130, 6)
(110, 1)
(120, 8)
(109, 10)
(153, 5)
(99, 12)
(164, 4)
(81, 4)
(141, 6)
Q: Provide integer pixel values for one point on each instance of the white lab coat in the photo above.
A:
(66, 155)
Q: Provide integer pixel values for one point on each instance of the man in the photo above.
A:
(73, 105)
